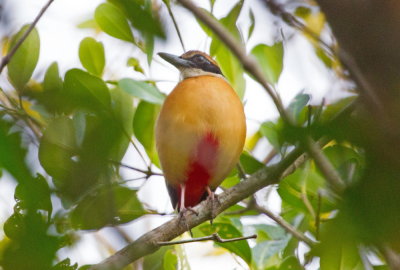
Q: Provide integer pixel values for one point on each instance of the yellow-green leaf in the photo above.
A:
(23, 63)
(113, 21)
(91, 54)
(271, 60)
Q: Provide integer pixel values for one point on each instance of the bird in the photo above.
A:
(200, 131)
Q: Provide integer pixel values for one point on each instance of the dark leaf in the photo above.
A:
(226, 231)
(86, 91)
(110, 205)
(57, 147)
(249, 163)
(12, 154)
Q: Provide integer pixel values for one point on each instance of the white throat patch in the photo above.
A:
(195, 72)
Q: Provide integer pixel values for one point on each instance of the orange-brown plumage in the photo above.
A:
(199, 135)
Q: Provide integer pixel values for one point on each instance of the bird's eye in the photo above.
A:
(200, 59)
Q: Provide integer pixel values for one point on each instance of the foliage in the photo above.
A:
(84, 125)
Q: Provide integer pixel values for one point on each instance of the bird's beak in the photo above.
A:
(175, 60)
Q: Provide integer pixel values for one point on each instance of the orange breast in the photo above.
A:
(199, 135)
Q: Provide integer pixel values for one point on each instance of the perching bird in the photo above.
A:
(200, 131)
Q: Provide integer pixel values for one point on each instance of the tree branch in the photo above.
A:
(6, 59)
(215, 237)
(285, 225)
(148, 243)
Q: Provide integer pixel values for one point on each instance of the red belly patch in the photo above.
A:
(199, 171)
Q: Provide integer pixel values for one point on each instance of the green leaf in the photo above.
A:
(263, 251)
(113, 22)
(65, 265)
(38, 192)
(142, 15)
(273, 232)
(306, 181)
(170, 260)
(31, 245)
(134, 62)
(291, 263)
(88, 24)
(23, 63)
(338, 250)
(229, 64)
(249, 163)
(123, 111)
(52, 80)
(109, 205)
(57, 147)
(270, 59)
(142, 90)
(252, 23)
(143, 127)
(297, 104)
(273, 134)
(226, 231)
(346, 161)
(333, 110)
(86, 91)
(302, 11)
(91, 54)
(12, 154)
(156, 260)
(52, 95)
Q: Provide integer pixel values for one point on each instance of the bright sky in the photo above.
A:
(60, 40)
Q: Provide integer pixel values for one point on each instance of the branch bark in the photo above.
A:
(148, 242)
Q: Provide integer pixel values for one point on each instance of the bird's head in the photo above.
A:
(193, 64)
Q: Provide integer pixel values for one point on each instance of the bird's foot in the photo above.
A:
(182, 217)
(212, 200)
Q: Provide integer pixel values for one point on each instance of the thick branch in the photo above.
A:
(148, 242)
(6, 59)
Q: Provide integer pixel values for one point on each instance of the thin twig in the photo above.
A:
(270, 156)
(215, 237)
(171, 14)
(285, 225)
(318, 216)
(146, 172)
(6, 59)
(241, 172)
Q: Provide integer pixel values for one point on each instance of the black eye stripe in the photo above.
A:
(203, 63)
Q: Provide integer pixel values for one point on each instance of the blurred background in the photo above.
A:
(67, 22)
